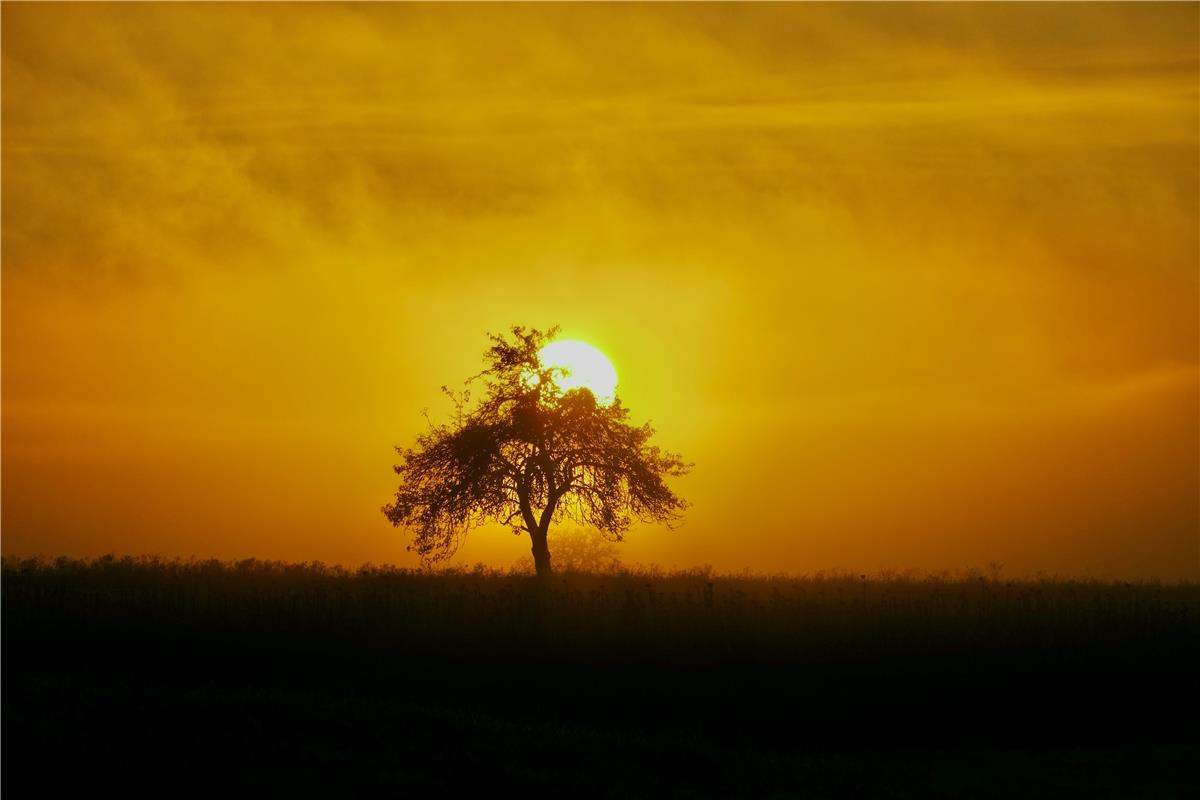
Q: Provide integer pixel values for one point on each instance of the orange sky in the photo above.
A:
(914, 286)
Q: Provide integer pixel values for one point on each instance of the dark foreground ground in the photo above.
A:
(167, 679)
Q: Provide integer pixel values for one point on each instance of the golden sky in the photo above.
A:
(914, 286)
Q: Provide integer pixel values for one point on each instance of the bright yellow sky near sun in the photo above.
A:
(914, 286)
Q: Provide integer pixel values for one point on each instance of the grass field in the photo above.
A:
(168, 678)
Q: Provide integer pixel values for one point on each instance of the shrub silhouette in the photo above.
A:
(581, 550)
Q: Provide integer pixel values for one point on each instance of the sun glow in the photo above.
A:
(584, 367)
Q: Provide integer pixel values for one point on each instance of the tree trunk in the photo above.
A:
(541, 554)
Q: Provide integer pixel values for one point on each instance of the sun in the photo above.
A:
(585, 367)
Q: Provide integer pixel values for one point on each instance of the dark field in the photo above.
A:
(172, 678)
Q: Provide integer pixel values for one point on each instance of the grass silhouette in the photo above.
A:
(699, 684)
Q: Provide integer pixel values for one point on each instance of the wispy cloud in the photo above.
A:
(300, 221)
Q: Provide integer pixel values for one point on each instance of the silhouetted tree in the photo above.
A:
(528, 454)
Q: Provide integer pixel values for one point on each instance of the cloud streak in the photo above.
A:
(242, 247)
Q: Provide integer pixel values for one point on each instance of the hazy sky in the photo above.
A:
(914, 286)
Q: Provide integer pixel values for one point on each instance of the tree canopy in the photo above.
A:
(527, 454)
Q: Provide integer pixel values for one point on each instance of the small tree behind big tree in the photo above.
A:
(528, 454)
